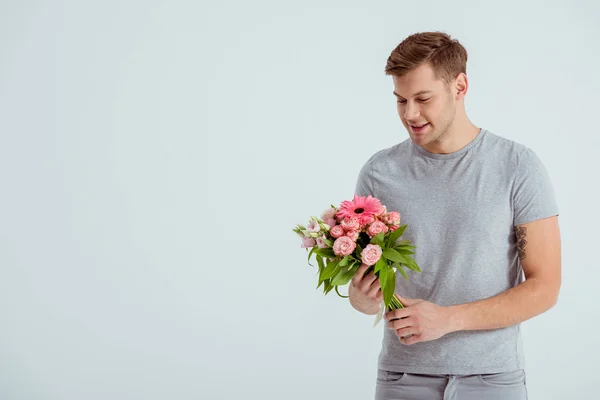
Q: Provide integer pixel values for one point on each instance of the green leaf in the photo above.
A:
(383, 275)
(404, 252)
(393, 255)
(328, 286)
(399, 267)
(378, 239)
(379, 265)
(310, 254)
(332, 270)
(411, 264)
(390, 286)
(328, 242)
(343, 277)
(359, 250)
(344, 261)
(328, 269)
(395, 235)
(327, 253)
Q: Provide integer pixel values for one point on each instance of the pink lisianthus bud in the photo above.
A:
(331, 222)
(371, 254)
(327, 214)
(313, 226)
(376, 227)
(337, 231)
(352, 234)
(307, 242)
(343, 246)
(321, 243)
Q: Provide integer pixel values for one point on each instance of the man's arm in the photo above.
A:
(539, 249)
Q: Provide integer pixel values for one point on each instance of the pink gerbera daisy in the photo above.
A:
(363, 208)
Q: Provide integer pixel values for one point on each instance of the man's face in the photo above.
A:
(423, 99)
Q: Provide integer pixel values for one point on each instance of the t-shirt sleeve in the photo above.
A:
(364, 182)
(533, 192)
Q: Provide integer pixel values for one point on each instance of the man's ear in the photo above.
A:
(461, 86)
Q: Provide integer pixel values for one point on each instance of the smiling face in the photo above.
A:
(426, 105)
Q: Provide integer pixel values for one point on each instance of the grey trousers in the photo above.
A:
(404, 386)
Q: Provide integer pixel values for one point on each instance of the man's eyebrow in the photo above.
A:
(416, 94)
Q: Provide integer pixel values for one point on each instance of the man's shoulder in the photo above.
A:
(506, 149)
(394, 152)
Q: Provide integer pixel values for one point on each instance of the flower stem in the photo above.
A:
(395, 303)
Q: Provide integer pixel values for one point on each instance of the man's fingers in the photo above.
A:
(400, 323)
(375, 289)
(411, 339)
(359, 274)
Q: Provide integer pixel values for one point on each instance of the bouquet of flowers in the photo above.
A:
(359, 231)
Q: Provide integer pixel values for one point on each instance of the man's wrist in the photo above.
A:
(455, 318)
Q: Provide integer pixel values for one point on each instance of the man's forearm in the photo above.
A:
(363, 307)
(518, 304)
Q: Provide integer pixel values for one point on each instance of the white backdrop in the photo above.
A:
(155, 156)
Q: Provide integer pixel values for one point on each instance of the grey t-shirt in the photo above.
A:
(461, 209)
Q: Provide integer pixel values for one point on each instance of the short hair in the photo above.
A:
(446, 55)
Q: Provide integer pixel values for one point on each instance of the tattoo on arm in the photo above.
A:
(521, 233)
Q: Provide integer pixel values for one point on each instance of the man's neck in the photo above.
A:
(456, 139)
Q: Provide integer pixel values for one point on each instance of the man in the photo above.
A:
(481, 210)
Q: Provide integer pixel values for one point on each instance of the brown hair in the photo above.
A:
(446, 56)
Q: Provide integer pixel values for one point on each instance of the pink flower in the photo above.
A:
(321, 243)
(343, 246)
(331, 222)
(363, 208)
(350, 224)
(307, 242)
(329, 213)
(337, 231)
(394, 227)
(313, 226)
(352, 234)
(368, 219)
(391, 218)
(376, 227)
(371, 254)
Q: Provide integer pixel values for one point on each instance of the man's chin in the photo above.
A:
(419, 139)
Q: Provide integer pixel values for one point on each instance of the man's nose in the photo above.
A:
(411, 112)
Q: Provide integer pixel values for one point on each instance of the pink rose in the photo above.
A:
(394, 227)
(337, 231)
(392, 218)
(343, 246)
(381, 211)
(376, 227)
(371, 254)
(307, 242)
(321, 243)
(352, 235)
(350, 224)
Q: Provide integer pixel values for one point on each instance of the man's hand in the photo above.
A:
(365, 291)
(421, 319)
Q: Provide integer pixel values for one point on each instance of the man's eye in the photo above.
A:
(423, 100)
(401, 101)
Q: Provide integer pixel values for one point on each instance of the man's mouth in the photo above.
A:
(419, 128)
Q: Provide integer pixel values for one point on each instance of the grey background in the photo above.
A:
(155, 156)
